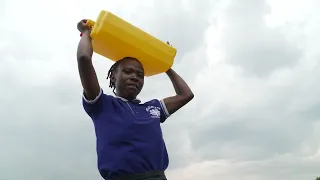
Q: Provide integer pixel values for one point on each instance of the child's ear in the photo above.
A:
(113, 79)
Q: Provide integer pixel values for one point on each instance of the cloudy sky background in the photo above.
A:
(252, 64)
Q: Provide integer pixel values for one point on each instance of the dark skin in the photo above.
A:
(128, 77)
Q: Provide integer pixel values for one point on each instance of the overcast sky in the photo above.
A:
(252, 64)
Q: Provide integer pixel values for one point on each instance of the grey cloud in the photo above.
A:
(275, 126)
(242, 142)
(43, 139)
(253, 46)
(184, 29)
(263, 129)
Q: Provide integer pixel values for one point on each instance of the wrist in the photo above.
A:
(86, 32)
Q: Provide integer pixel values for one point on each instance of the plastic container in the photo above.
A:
(114, 38)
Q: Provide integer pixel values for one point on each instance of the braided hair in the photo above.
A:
(112, 71)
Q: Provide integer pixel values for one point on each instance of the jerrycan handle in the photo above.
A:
(90, 24)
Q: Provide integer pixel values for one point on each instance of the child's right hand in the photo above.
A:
(82, 27)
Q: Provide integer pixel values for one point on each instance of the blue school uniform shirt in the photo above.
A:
(129, 136)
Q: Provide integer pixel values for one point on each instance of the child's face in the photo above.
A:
(129, 78)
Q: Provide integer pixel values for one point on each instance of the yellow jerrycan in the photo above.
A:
(114, 38)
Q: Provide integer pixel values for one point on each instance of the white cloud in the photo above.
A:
(253, 66)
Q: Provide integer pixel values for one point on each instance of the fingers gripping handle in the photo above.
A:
(90, 24)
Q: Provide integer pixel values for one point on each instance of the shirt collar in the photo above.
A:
(137, 101)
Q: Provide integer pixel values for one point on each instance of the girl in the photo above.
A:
(130, 145)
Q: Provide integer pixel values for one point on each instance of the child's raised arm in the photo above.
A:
(87, 73)
(183, 93)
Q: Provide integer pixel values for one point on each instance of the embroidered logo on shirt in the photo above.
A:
(154, 111)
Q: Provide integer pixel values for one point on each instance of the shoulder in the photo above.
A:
(98, 104)
(154, 102)
(100, 97)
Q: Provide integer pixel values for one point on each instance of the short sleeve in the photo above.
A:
(164, 114)
(94, 106)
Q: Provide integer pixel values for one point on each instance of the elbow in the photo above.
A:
(189, 97)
